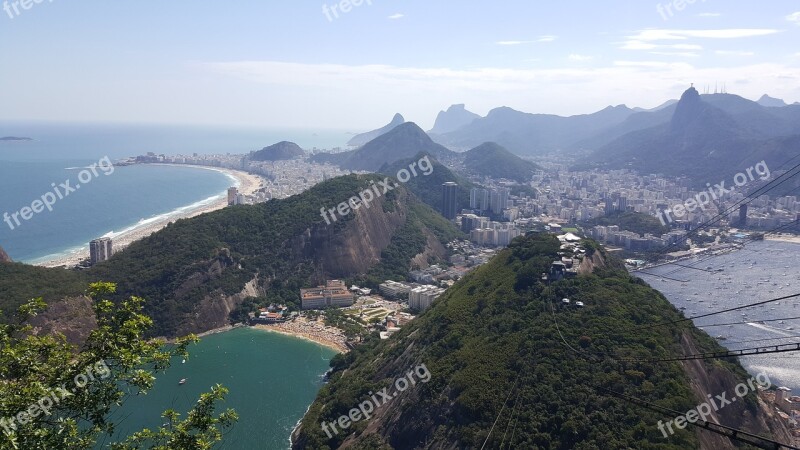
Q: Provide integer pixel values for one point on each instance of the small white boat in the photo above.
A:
(182, 382)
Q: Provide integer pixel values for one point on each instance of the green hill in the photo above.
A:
(428, 188)
(492, 160)
(196, 271)
(493, 348)
(632, 221)
(278, 152)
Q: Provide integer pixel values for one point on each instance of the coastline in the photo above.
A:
(247, 184)
(330, 337)
(783, 237)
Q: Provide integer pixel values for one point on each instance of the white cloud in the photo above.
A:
(640, 45)
(731, 33)
(733, 53)
(397, 16)
(512, 42)
(679, 54)
(547, 38)
(794, 17)
(576, 57)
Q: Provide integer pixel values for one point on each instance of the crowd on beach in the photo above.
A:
(313, 330)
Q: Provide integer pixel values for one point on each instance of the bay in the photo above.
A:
(272, 380)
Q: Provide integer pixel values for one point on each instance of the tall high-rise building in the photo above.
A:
(499, 200)
(609, 205)
(450, 200)
(232, 195)
(742, 216)
(479, 199)
(100, 250)
(622, 204)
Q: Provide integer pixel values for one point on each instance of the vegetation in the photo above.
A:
(492, 160)
(89, 382)
(632, 221)
(494, 340)
(428, 188)
(220, 252)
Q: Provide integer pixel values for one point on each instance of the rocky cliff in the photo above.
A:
(4, 256)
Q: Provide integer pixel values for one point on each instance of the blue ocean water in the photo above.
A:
(761, 271)
(117, 201)
(272, 380)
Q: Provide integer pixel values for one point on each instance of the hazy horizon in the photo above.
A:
(289, 65)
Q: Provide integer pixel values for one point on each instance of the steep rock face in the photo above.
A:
(4, 256)
(358, 247)
(213, 310)
(353, 249)
(706, 379)
(454, 118)
(72, 317)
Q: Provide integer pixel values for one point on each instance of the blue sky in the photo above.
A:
(288, 64)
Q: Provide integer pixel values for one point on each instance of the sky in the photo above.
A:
(350, 65)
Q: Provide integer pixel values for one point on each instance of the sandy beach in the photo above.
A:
(246, 182)
(314, 331)
(782, 237)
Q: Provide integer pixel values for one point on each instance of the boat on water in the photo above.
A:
(721, 338)
(182, 382)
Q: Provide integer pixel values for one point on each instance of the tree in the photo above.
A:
(54, 395)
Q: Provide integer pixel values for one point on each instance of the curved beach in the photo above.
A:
(246, 183)
(314, 331)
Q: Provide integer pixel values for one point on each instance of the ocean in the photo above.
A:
(761, 271)
(126, 198)
(272, 380)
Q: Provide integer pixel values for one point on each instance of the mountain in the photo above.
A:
(402, 142)
(361, 139)
(771, 102)
(428, 188)
(708, 138)
(278, 152)
(499, 362)
(492, 160)
(15, 138)
(195, 272)
(4, 256)
(529, 134)
(454, 118)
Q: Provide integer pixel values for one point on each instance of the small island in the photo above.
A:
(14, 138)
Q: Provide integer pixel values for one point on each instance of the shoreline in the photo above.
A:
(246, 182)
(783, 237)
(290, 329)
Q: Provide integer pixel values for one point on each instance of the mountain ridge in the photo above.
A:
(361, 139)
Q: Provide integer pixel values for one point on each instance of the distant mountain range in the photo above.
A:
(361, 139)
(707, 138)
(278, 152)
(15, 138)
(454, 118)
(771, 102)
(531, 134)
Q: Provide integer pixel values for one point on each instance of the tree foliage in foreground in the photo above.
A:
(56, 396)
